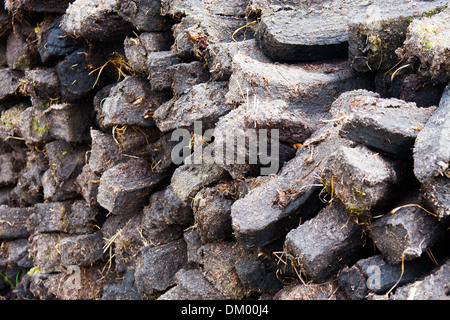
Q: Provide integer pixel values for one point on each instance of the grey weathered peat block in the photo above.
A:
(326, 243)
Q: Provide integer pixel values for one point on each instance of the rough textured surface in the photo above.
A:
(320, 292)
(431, 152)
(68, 122)
(72, 217)
(65, 164)
(179, 8)
(246, 133)
(427, 41)
(82, 250)
(124, 187)
(220, 56)
(388, 125)
(157, 267)
(329, 237)
(437, 196)
(192, 285)
(320, 37)
(279, 202)
(374, 275)
(59, 6)
(75, 79)
(407, 85)
(144, 15)
(324, 31)
(215, 149)
(137, 48)
(42, 85)
(311, 88)
(184, 76)
(20, 53)
(188, 179)
(93, 19)
(131, 103)
(203, 102)
(406, 234)
(14, 222)
(432, 287)
(360, 178)
(373, 42)
(54, 43)
(235, 272)
(157, 65)
(212, 212)
(9, 83)
(195, 32)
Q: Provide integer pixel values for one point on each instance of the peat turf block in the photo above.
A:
(184, 76)
(14, 253)
(431, 151)
(81, 250)
(136, 49)
(389, 125)
(310, 291)
(406, 234)
(188, 179)
(432, 287)
(66, 121)
(54, 6)
(436, 193)
(360, 178)
(72, 217)
(195, 32)
(180, 8)
(408, 85)
(105, 153)
(326, 243)
(87, 182)
(43, 252)
(212, 212)
(9, 83)
(29, 185)
(158, 63)
(192, 285)
(74, 76)
(130, 102)
(220, 56)
(301, 33)
(311, 88)
(9, 170)
(144, 15)
(234, 271)
(94, 20)
(21, 52)
(165, 218)
(295, 35)
(241, 133)
(66, 162)
(69, 122)
(42, 85)
(375, 275)
(124, 290)
(13, 222)
(427, 42)
(156, 267)
(156, 224)
(54, 42)
(125, 188)
(203, 102)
